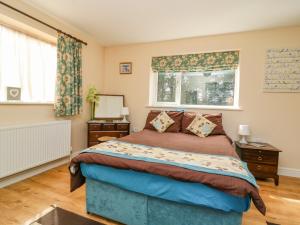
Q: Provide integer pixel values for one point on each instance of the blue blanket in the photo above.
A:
(166, 188)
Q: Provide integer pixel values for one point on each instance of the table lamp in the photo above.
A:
(244, 131)
(124, 113)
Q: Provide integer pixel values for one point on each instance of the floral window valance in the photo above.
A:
(202, 62)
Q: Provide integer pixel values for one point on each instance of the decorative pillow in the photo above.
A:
(201, 126)
(162, 122)
(188, 117)
(175, 115)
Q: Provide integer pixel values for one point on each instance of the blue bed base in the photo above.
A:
(138, 209)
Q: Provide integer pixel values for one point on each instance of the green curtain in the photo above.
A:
(202, 62)
(68, 101)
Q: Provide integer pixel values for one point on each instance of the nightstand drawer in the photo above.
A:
(257, 169)
(259, 156)
(122, 127)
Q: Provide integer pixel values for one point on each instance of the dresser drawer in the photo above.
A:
(91, 143)
(108, 127)
(94, 135)
(259, 156)
(258, 169)
(123, 133)
(122, 127)
(94, 126)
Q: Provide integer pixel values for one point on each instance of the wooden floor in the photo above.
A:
(21, 201)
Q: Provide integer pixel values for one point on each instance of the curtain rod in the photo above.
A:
(46, 24)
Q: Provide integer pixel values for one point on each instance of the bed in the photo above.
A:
(144, 190)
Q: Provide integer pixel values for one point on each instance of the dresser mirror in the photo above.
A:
(109, 107)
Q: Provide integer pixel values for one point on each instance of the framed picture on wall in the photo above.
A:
(125, 68)
(13, 93)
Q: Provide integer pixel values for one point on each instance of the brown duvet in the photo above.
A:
(217, 144)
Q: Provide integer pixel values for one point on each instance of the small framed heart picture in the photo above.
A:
(13, 94)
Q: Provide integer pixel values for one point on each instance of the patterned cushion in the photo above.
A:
(201, 126)
(188, 117)
(162, 122)
(175, 115)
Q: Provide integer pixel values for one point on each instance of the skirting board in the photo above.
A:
(32, 172)
(290, 172)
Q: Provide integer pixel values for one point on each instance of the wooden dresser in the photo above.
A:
(112, 129)
(262, 161)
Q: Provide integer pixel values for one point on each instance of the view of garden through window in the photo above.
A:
(197, 88)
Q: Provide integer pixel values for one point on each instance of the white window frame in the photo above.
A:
(153, 103)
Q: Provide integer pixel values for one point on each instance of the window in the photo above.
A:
(211, 86)
(29, 64)
(196, 89)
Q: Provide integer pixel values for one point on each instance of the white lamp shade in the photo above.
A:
(124, 111)
(244, 130)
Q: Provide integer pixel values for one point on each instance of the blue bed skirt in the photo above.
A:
(133, 208)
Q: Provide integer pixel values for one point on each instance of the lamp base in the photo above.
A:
(243, 140)
(124, 120)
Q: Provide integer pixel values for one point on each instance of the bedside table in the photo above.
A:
(262, 161)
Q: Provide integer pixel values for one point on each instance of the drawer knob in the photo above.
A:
(259, 158)
(258, 167)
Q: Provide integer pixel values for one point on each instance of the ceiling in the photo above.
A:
(117, 22)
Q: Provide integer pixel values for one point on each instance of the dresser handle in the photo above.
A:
(258, 167)
(259, 158)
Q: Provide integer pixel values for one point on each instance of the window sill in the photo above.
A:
(208, 107)
(26, 103)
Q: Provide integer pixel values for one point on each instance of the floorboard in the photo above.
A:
(21, 201)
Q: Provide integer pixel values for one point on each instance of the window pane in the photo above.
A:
(211, 88)
(27, 63)
(166, 87)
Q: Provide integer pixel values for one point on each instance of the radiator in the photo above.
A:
(27, 146)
